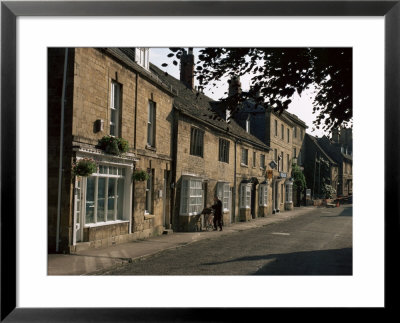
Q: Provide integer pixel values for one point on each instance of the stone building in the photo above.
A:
(211, 158)
(341, 152)
(298, 135)
(276, 131)
(319, 167)
(106, 93)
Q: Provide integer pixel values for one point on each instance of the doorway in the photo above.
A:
(77, 210)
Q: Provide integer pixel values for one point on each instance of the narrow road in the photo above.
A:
(317, 243)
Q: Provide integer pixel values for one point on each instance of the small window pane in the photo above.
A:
(90, 187)
(101, 199)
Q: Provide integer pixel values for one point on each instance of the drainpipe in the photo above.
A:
(234, 184)
(61, 150)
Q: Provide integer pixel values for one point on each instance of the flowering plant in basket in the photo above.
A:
(114, 145)
(84, 167)
(139, 175)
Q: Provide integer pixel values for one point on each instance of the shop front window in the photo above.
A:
(105, 195)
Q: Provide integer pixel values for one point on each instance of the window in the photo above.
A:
(262, 161)
(295, 132)
(151, 124)
(254, 158)
(288, 162)
(245, 156)
(115, 108)
(276, 128)
(301, 133)
(288, 135)
(191, 196)
(104, 195)
(294, 152)
(142, 57)
(283, 132)
(248, 124)
(224, 193)
(196, 142)
(289, 192)
(245, 196)
(223, 150)
(276, 155)
(149, 194)
(263, 198)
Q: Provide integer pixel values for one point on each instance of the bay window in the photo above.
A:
(245, 195)
(224, 193)
(191, 196)
(263, 198)
(289, 191)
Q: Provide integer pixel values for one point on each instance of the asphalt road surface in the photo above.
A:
(317, 243)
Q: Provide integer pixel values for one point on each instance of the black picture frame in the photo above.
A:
(10, 10)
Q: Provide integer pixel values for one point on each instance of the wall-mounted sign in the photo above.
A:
(269, 174)
(308, 192)
(273, 164)
(282, 175)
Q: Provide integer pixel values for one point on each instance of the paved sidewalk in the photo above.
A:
(93, 260)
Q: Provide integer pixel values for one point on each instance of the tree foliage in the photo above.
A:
(278, 73)
(299, 181)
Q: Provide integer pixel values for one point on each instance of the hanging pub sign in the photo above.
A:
(273, 164)
(269, 174)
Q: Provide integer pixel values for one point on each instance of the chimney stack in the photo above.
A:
(187, 68)
(235, 87)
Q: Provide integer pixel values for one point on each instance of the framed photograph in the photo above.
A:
(29, 28)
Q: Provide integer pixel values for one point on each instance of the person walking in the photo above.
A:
(217, 207)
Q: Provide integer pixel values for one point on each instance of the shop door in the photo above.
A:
(78, 210)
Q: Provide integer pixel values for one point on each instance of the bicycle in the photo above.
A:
(208, 219)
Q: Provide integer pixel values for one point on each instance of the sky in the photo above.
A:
(300, 106)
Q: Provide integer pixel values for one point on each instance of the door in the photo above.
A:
(78, 210)
(253, 201)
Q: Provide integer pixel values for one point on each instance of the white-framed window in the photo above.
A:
(104, 195)
(115, 108)
(191, 196)
(142, 57)
(151, 124)
(245, 195)
(245, 157)
(149, 194)
(289, 191)
(224, 194)
(248, 124)
(262, 161)
(263, 198)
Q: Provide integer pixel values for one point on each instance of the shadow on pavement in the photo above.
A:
(320, 262)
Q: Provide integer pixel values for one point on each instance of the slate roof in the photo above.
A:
(334, 149)
(204, 109)
(126, 56)
(315, 141)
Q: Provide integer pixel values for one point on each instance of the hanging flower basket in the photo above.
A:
(84, 167)
(113, 145)
(139, 175)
